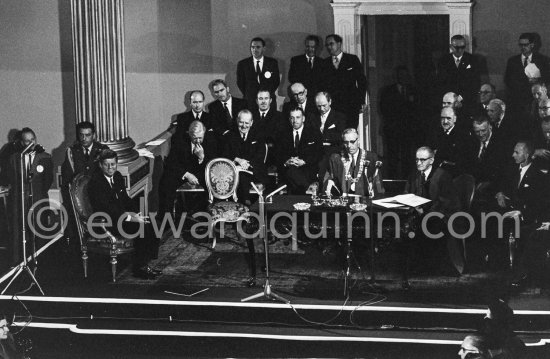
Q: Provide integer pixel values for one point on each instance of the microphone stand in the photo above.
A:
(267, 292)
(23, 266)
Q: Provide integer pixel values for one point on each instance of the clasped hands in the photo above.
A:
(295, 161)
(244, 164)
(138, 217)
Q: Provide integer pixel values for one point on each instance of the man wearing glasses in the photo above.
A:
(522, 70)
(300, 96)
(487, 92)
(458, 72)
(354, 170)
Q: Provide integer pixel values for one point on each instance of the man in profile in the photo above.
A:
(345, 80)
(258, 72)
(186, 163)
(247, 149)
(108, 196)
(307, 69)
(225, 109)
(354, 171)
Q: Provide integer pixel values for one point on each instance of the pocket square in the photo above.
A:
(526, 185)
(331, 126)
(468, 67)
(253, 142)
(310, 143)
(351, 68)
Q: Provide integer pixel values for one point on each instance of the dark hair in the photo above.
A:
(85, 125)
(493, 87)
(107, 154)
(336, 37)
(263, 89)
(312, 38)
(26, 130)
(528, 36)
(458, 37)
(480, 119)
(218, 82)
(296, 108)
(258, 39)
(528, 146)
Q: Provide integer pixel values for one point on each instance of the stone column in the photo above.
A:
(99, 72)
(460, 21)
(347, 25)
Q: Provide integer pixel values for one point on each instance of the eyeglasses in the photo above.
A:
(349, 142)
(466, 350)
(524, 44)
(459, 47)
(423, 159)
(299, 93)
(544, 108)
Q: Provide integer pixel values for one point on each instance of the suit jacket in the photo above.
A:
(511, 130)
(332, 130)
(347, 85)
(219, 120)
(247, 80)
(75, 161)
(301, 72)
(184, 119)
(309, 149)
(398, 110)
(491, 167)
(454, 151)
(528, 196)
(519, 88)
(252, 150)
(181, 159)
(337, 172)
(269, 128)
(439, 188)
(113, 201)
(310, 109)
(463, 80)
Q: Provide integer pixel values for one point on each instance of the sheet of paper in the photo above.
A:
(155, 142)
(381, 203)
(411, 200)
(143, 152)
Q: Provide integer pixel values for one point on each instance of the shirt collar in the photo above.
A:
(449, 130)
(109, 178)
(89, 148)
(457, 58)
(299, 131)
(256, 60)
(428, 171)
(326, 114)
(530, 57)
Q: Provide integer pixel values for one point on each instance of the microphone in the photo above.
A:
(378, 164)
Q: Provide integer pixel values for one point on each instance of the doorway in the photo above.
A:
(415, 42)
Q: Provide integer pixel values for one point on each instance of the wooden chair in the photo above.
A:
(106, 243)
(222, 179)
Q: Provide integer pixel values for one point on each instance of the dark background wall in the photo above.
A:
(173, 46)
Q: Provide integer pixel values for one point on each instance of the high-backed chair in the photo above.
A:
(105, 243)
(222, 179)
(465, 185)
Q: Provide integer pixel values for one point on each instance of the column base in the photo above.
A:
(124, 149)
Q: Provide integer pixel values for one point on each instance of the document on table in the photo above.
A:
(410, 200)
(155, 142)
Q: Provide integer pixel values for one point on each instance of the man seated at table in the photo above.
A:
(185, 164)
(354, 170)
(108, 196)
(299, 151)
(246, 148)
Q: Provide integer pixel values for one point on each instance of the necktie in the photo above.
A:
(482, 152)
(263, 117)
(335, 62)
(258, 71)
(422, 184)
(457, 62)
(28, 163)
(111, 182)
(352, 167)
(228, 118)
(310, 60)
(86, 154)
(244, 137)
(519, 177)
(525, 62)
(296, 139)
(197, 117)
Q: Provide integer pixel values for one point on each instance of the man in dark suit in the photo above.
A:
(331, 124)
(268, 122)
(108, 196)
(38, 172)
(224, 110)
(186, 162)
(541, 156)
(400, 123)
(451, 144)
(300, 96)
(522, 70)
(487, 92)
(354, 171)
(197, 113)
(258, 71)
(345, 80)
(307, 69)
(490, 159)
(298, 153)
(247, 149)
(523, 195)
(458, 72)
(506, 127)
